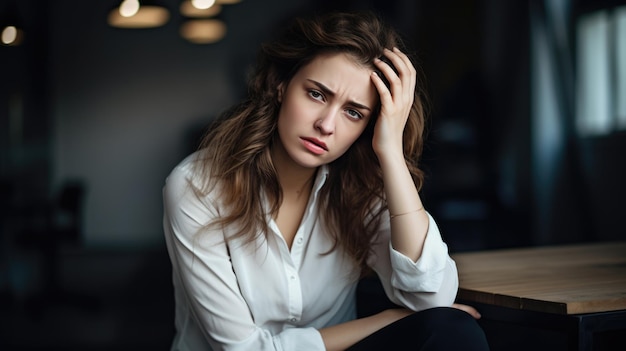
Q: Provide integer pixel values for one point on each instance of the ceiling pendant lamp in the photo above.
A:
(203, 27)
(196, 9)
(138, 14)
(11, 35)
(11, 32)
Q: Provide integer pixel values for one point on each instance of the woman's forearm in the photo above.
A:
(409, 221)
(342, 336)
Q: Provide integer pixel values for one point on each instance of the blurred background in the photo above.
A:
(525, 144)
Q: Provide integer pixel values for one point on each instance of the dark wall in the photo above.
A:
(478, 159)
(476, 57)
(24, 91)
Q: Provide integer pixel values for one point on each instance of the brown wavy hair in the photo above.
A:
(236, 150)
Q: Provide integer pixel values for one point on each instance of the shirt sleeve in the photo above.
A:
(206, 286)
(432, 281)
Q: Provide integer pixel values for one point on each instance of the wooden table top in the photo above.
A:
(570, 279)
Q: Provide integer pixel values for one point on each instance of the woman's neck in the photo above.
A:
(296, 183)
(293, 178)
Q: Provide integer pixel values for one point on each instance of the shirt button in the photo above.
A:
(293, 277)
(299, 240)
(293, 320)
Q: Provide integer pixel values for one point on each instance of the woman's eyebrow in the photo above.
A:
(328, 91)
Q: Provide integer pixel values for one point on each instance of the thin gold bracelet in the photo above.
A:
(392, 216)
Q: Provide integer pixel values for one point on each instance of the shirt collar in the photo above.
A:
(320, 178)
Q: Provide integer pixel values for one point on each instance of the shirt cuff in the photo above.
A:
(425, 275)
(301, 339)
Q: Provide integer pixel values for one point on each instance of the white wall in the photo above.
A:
(124, 102)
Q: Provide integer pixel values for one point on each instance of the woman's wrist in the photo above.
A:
(392, 163)
(393, 315)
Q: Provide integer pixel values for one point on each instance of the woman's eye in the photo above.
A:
(316, 95)
(354, 114)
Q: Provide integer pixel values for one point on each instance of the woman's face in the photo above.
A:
(324, 108)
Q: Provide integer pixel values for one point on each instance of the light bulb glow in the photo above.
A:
(9, 35)
(129, 8)
(202, 4)
(188, 10)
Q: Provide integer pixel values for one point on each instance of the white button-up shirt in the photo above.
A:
(264, 296)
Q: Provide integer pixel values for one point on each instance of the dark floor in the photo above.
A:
(115, 300)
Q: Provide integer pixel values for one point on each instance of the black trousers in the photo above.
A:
(440, 328)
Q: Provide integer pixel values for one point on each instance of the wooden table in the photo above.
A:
(579, 289)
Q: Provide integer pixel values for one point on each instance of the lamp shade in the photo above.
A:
(203, 31)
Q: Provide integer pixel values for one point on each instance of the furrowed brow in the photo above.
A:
(328, 91)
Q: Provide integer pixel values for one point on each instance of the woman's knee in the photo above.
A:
(451, 329)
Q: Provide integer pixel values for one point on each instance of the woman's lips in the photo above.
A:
(314, 145)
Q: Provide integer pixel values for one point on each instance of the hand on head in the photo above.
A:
(396, 101)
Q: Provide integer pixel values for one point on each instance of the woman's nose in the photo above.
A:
(326, 123)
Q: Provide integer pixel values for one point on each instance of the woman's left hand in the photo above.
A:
(396, 102)
(469, 309)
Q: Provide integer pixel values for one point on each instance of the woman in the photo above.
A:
(305, 187)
